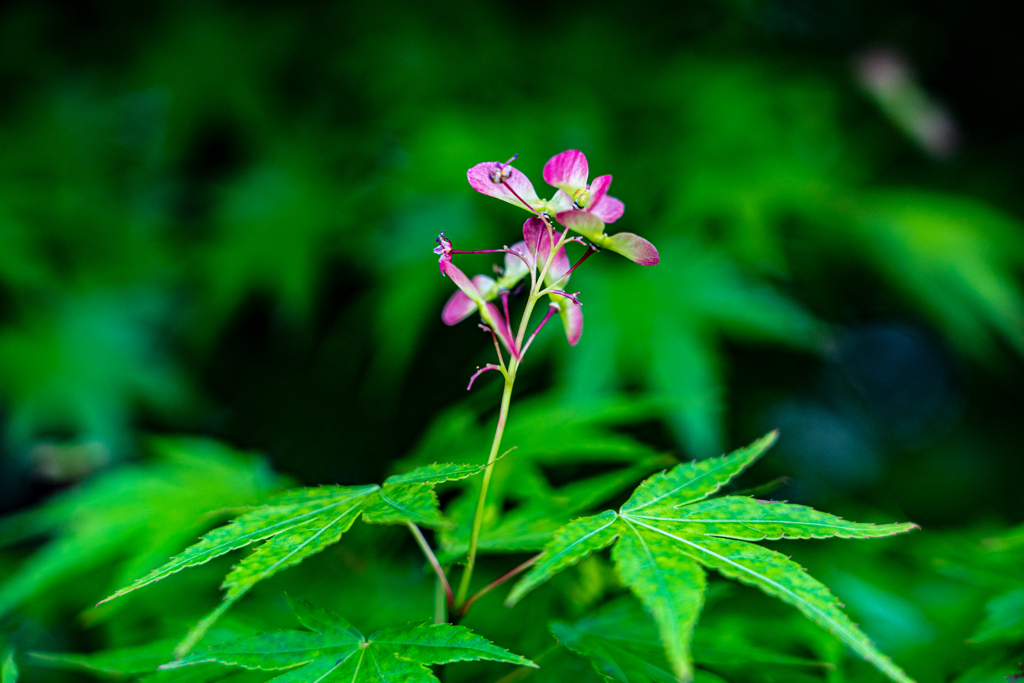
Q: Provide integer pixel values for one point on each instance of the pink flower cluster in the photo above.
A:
(581, 207)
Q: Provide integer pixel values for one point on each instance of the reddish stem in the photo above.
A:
(497, 582)
(567, 295)
(591, 249)
(425, 547)
(516, 195)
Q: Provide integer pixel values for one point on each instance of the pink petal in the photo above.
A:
(480, 180)
(461, 281)
(598, 189)
(585, 223)
(633, 247)
(534, 229)
(567, 171)
(495, 319)
(458, 308)
(609, 209)
(572, 319)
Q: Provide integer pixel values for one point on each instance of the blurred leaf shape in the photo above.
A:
(667, 531)
(274, 228)
(956, 257)
(119, 662)
(131, 519)
(1004, 618)
(663, 327)
(8, 668)
(85, 366)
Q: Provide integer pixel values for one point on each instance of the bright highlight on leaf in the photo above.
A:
(666, 534)
(330, 651)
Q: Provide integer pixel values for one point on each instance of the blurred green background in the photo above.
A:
(216, 220)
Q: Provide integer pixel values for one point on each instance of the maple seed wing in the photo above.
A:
(754, 520)
(670, 584)
(695, 480)
(571, 543)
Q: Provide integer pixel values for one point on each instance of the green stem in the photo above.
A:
(506, 397)
(467, 575)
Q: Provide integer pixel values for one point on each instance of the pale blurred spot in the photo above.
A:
(888, 78)
(67, 462)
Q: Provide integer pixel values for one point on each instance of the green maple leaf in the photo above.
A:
(299, 523)
(410, 497)
(331, 650)
(667, 533)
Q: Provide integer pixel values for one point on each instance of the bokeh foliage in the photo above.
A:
(215, 218)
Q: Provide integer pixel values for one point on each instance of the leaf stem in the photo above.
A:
(497, 582)
(425, 547)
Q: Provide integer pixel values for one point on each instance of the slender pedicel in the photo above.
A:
(567, 295)
(497, 346)
(480, 371)
(591, 249)
(478, 251)
(497, 582)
